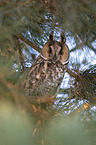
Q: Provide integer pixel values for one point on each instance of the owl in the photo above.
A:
(44, 78)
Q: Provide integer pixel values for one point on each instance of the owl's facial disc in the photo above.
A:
(56, 51)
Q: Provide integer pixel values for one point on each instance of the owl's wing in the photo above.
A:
(32, 75)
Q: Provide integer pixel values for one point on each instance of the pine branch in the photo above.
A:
(16, 40)
(72, 74)
(75, 48)
(3, 3)
(12, 5)
(12, 91)
(21, 58)
(91, 47)
(85, 83)
(21, 37)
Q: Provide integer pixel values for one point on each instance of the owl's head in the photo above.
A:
(56, 51)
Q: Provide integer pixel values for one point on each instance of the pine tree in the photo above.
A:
(24, 28)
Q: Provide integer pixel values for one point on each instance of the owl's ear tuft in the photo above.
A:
(62, 38)
(51, 37)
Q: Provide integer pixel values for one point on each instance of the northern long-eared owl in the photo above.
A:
(44, 78)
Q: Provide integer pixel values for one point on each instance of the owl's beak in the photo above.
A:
(54, 58)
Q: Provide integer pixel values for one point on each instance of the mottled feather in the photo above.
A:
(44, 78)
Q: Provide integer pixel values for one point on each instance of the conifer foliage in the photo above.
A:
(24, 28)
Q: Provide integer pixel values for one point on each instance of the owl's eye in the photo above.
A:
(61, 53)
(49, 50)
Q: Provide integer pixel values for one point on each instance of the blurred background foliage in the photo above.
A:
(24, 28)
(16, 127)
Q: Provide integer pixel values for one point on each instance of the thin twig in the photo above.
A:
(17, 43)
(72, 74)
(13, 92)
(21, 37)
(21, 58)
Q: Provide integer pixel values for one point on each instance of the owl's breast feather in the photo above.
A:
(44, 79)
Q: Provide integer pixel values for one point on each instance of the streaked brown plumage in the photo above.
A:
(44, 78)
